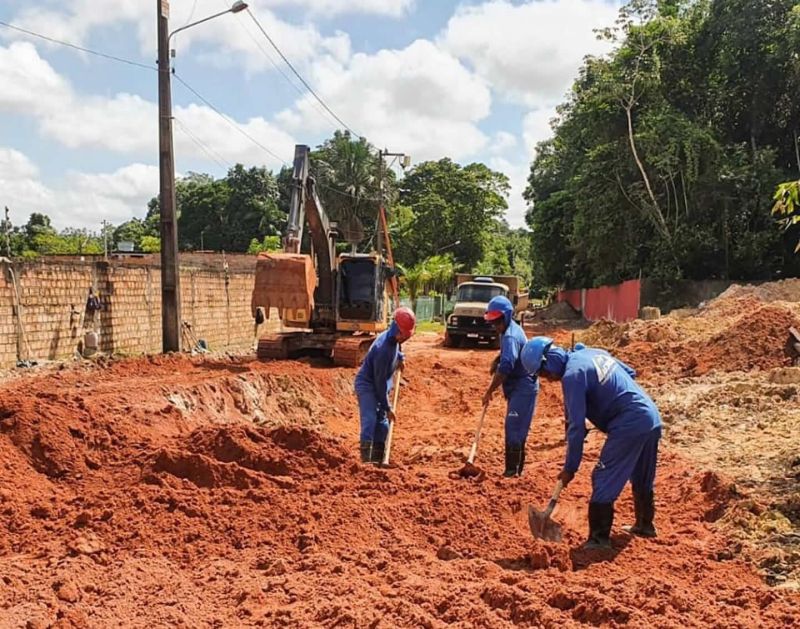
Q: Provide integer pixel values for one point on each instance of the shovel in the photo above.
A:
(542, 527)
(470, 470)
(388, 449)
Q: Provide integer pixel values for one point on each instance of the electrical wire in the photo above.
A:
(298, 75)
(215, 157)
(76, 47)
(227, 119)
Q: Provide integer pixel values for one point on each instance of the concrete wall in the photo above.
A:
(683, 293)
(52, 294)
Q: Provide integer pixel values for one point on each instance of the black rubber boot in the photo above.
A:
(377, 452)
(366, 451)
(522, 459)
(514, 456)
(601, 517)
(645, 509)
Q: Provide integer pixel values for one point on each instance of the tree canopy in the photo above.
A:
(667, 153)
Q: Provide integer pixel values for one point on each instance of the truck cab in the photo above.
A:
(466, 323)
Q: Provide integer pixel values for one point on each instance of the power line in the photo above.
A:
(76, 47)
(277, 67)
(227, 119)
(215, 157)
(297, 74)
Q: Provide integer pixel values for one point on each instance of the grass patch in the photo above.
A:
(430, 326)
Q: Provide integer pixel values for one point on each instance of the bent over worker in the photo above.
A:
(602, 389)
(519, 387)
(374, 381)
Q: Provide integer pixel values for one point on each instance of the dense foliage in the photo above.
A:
(667, 153)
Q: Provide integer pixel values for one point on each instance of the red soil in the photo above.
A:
(187, 493)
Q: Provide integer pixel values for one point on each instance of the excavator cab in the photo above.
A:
(361, 299)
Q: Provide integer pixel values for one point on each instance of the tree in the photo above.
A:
(348, 174)
(270, 243)
(224, 214)
(665, 153)
(443, 204)
(150, 244)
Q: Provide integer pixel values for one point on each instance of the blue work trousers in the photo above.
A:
(519, 413)
(625, 457)
(374, 423)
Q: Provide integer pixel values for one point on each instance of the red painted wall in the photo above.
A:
(619, 303)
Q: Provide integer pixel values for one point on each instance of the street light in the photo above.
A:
(170, 275)
(452, 244)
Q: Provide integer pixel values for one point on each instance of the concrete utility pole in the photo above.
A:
(105, 238)
(170, 273)
(170, 277)
(7, 230)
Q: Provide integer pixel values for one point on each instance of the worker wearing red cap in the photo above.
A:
(374, 381)
(519, 387)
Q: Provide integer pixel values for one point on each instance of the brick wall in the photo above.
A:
(215, 300)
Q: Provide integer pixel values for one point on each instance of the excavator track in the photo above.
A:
(273, 346)
(350, 351)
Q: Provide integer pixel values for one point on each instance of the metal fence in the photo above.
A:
(430, 308)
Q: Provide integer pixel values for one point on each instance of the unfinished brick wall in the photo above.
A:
(215, 301)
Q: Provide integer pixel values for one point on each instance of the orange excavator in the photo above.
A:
(331, 304)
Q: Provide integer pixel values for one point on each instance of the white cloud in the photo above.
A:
(81, 199)
(502, 142)
(419, 100)
(536, 128)
(126, 123)
(389, 8)
(528, 52)
(30, 85)
(517, 173)
(234, 39)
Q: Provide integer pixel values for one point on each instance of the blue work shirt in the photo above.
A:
(602, 389)
(380, 363)
(510, 365)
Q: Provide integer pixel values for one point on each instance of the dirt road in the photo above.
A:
(221, 493)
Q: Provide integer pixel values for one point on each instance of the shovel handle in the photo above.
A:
(388, 449)
(552, 504)
(474, 450)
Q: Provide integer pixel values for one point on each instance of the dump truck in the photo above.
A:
(473, 293)
(330, 304)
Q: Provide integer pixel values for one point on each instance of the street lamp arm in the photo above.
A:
(237, 6)
(205, 19)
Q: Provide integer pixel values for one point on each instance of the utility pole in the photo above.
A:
(7, 231)
(105, 238)
(381, 226)
(170, 275)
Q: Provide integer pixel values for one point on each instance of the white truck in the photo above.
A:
(473, 294)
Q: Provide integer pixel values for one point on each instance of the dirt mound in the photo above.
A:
(783, 290)
(198, 511)
(758, 340)
(558, 311)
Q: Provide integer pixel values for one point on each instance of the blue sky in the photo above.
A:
(475, 81)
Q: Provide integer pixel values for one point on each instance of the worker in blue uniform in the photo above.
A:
(519, 388)
(602, 389)
(374, 382)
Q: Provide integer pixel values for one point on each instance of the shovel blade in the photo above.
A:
(470, 471)
(542, 526)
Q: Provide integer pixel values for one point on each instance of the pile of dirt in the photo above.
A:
(151, 494)
(783, 290)
(745, 329)
(558, 311)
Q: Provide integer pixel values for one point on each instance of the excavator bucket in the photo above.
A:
(285, 281)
